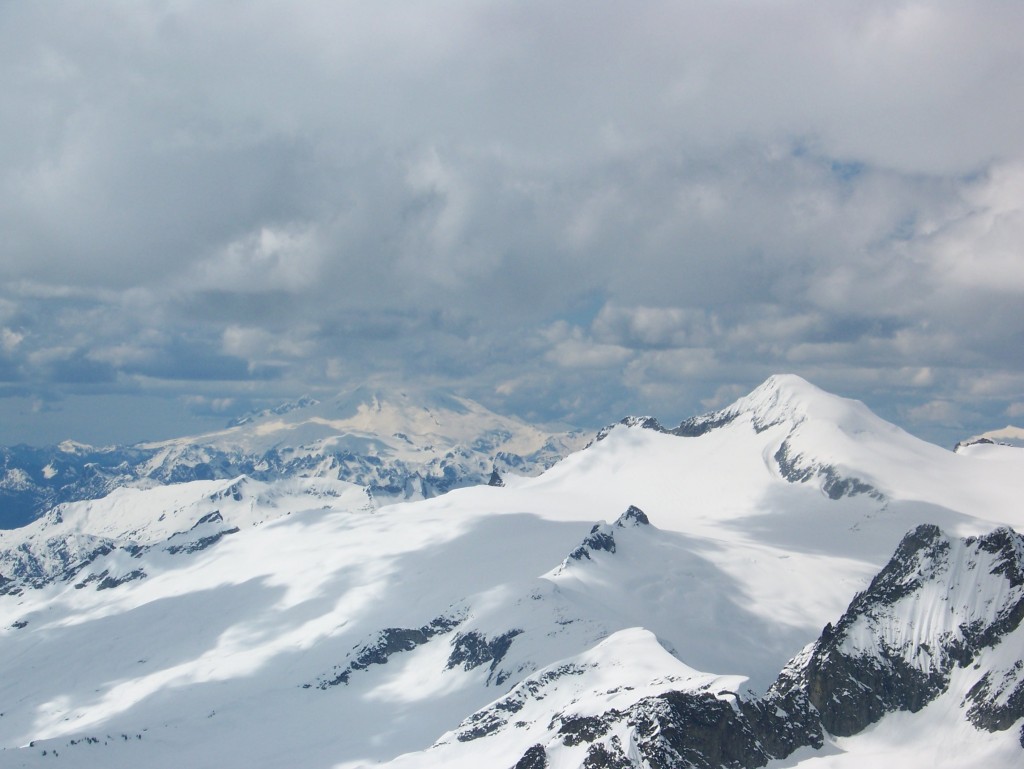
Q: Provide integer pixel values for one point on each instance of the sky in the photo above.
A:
(567, 211)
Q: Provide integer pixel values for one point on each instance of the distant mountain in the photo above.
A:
(399, 445)
(1006, 436)
(790, 582)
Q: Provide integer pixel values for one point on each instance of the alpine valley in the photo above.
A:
(383, 580)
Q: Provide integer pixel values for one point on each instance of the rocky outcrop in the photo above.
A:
(710, 731)
(796, 469)
(996, 702)
(471, 650)
(535, 757)
(602, 536)
(385, 644)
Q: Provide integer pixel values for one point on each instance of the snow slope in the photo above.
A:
(654, 571)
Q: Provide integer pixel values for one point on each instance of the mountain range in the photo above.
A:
(790, 581)
(397, 443)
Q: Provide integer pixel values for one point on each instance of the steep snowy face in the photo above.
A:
(788, 399)
(941, 603)
(810, 435)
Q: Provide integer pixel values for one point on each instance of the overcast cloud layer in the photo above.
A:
(569, 211)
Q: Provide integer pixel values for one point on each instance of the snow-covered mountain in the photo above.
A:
(788, 582)
(398, 444)
(177, 518)
(1007, 436)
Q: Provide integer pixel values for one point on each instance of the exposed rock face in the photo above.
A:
(109, 581)
(795, 469)
(471, 650)
(598, 539)
(707, 731)
(610, 757)
(996, 702)
(55, 559)
(388, 642)
(633, 516)
(602, 536)
(676, 729)
(534, 758)
(197, 538)
(647, 423)
(502, 712)
(694, 427)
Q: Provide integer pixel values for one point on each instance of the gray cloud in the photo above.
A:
(568, 211)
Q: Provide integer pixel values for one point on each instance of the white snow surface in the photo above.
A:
(225, 656)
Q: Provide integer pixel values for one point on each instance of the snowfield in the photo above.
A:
(562, 620)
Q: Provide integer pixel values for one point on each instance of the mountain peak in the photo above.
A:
(633, 516)
(792, 400)
(789, 398)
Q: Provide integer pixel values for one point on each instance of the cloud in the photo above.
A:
(566, 210)
(271, 259)
(654, 326)
(982, 249)
(258, 344)
(577, 353)
(204, 406)
(940, 411)
(9, 340)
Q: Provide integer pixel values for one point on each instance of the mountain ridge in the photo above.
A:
(396, 445)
